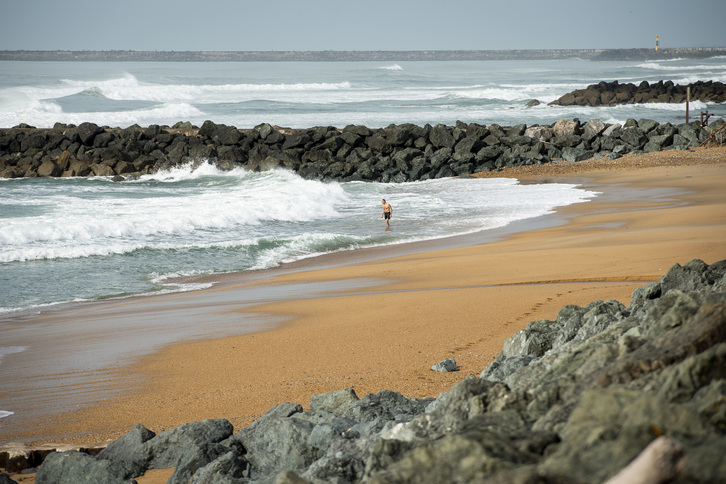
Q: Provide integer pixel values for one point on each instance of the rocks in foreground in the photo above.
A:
(614, 93)
(574, 400)
(397, 153)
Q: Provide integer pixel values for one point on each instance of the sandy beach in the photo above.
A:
(411, 311)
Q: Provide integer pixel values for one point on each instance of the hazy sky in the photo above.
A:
(359, 25)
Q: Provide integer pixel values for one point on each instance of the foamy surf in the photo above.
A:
(119, 239)
(305, 94)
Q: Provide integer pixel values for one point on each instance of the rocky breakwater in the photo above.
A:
(602, 392)
(614, 93)
(396, 153)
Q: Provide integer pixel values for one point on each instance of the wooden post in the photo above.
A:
(688, 101)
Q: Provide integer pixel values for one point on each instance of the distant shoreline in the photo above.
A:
(363, 55)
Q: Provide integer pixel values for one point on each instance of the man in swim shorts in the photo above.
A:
(387, 211)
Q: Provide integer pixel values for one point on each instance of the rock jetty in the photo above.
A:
(614, 93)
(396, 153)
(604, 391)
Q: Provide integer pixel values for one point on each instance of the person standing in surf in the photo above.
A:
(387, 211)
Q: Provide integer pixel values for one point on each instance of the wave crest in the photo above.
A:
(185, 207)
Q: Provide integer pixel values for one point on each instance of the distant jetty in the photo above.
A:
(357, 55)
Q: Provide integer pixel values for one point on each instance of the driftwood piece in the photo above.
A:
(660, 462)
(717, 137)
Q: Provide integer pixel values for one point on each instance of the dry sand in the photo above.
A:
(656, 210)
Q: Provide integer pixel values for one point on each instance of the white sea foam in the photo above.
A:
(126, 80)
(660, 67)
(9, 350)
(45, 114)
(307, 245)
(190, 171)
(393, 67)
(100, 221)
(675, 107)
(692, 78)
(129, 88)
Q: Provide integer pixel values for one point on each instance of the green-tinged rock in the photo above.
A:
(614, 425)
(336, 402)
(466, 457)
(73, 467)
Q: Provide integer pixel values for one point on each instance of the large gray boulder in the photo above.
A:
(344, 461)
(278, 441)
(576, 154)
(48, 168)
(387, 405)
(635, 137)
(73, 467)
(140, 449)
(564, 127)
(469, 398)
(501, 368)
(130, 450)
(5, 479)
(647, 125)
(34, 140)
(337, 402)
(535, 340)
(87, 132)
(227, 469)
(328, 431)
(166, 447)
(208, 129)
(441, 137)
(464, 457)
(595, 126)
(194, 457)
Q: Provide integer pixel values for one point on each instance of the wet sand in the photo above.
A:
(377, 319)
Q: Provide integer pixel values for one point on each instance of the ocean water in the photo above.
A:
(306, 94)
